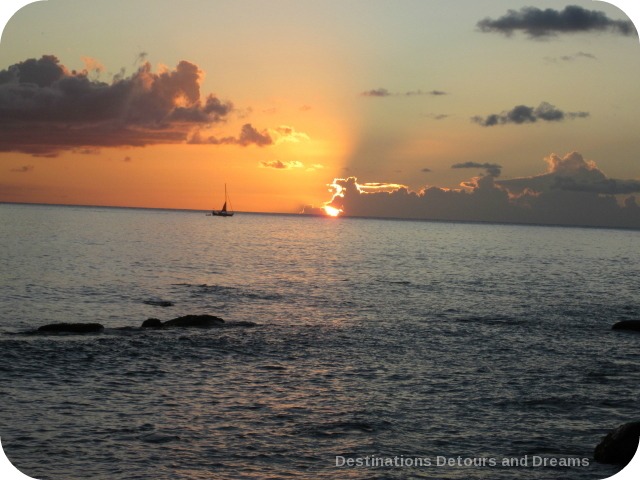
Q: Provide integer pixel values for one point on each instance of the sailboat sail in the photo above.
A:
(223, 212)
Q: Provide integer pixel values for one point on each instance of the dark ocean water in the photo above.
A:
(374, 340)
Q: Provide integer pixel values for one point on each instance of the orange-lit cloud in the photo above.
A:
(92, 65)
(280, 165)
(249, 135)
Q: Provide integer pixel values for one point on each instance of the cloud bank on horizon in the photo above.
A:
(572, 191)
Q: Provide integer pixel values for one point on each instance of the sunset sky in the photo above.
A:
(157, 103)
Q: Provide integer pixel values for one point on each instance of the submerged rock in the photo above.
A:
(620, 445)
(71, 328)
(159, 438)
(198, 321)
(159, 303)
(627, 325)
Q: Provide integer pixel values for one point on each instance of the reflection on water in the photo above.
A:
(373, 337)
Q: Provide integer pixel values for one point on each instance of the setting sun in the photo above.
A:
(331, 212)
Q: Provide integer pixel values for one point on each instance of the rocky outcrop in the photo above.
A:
(71, 328)
(197, 321)
(620, 445)
(187, 321)
(151, 323)
(627, 325)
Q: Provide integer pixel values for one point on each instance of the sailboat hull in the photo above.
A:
(221, 213)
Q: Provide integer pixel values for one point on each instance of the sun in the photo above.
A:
(331, 211)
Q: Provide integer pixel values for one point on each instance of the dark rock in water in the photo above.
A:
(159, 303)
(198, 321)
(620, 445)
(627, 325)
(159, 438)
(151, 323)
(71, 328)
(241, 323)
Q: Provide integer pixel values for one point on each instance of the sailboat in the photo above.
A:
(223, 212)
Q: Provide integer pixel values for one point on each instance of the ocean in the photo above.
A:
(351, 348)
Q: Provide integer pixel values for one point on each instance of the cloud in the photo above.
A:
(285, 133)
(23, 169)
(571, 173)
(383, 92)
(46, 108)
(537, 23)
(584, 197)
(492, 169)
(571, 58)
(438, 116)
(378, 92)
(521, 114)
(279, 165)
(249, 135)
(379, 187)
(92, 65)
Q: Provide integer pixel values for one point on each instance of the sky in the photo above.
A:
(484, 110)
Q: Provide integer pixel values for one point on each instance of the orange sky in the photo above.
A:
(275, 99)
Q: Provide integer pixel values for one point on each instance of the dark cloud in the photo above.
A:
(539, 23)
(584, 196)
(249, 135)
(420, 93)
(45, 108)
(383, 92)
(523, 114)
(492, 169)
(378, 92)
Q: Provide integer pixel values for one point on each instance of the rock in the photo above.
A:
(159, 438)
(71, 328)
(198, 321)
(627, 325)
(159, 303)
(151, 323)
(619, 446)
